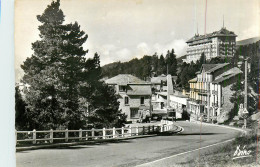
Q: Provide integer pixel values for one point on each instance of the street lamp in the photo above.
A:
(243, 112)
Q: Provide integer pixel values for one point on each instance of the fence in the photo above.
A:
(48, 136)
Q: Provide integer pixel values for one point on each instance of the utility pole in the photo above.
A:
(208, 100)
(245, 97)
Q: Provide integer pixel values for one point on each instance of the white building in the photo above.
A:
(206, 90)
(220, 43)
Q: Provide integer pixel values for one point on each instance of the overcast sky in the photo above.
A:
(120, 30)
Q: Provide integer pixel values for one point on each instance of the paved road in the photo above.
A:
(131, 152)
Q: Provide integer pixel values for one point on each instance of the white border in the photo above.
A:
(7, 85)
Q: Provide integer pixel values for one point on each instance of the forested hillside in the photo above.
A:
(157, 64)
(144, 67)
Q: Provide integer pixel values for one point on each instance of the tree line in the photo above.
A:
(144, 68)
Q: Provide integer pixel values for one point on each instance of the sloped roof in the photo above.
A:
(222, 32)
(124, 79)
(139, 90)
(208, 68)
(218, 66)
(157, 80)
(193, 80)
(227, 75)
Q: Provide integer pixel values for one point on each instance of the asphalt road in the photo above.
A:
(152, 151)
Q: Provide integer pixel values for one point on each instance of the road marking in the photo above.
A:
(185, 152)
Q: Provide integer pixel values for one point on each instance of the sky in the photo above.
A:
(120, 30)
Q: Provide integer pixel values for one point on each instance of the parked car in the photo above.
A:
(156, 117)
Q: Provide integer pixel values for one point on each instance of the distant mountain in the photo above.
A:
(179, 59)
(248, 41)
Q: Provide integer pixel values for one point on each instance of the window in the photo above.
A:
(133, 112)
(142, 100)
(126, 100)
(162, 105)
(122, 88)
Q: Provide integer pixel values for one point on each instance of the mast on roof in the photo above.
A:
(223, 21)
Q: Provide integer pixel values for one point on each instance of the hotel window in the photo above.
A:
(126, 100)
(142, 100)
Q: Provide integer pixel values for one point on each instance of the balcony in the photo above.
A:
(203, 92)
(214, 92)
(215, 104)
(196, 90)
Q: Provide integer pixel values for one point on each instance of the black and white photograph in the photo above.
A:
(145, 83)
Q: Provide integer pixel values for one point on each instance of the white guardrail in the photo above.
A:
(48, 136)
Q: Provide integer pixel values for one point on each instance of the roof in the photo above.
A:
(139, 90)
(218, 66)
(208, 68)
(222, 32)
(179, 95)
(193, 80)
(124, 79)
(157, 80)
(227, 75)
(161, 93)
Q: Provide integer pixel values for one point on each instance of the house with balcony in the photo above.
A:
(206, 90)
(134, 94)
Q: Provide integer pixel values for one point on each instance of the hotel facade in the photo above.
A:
(220, 43)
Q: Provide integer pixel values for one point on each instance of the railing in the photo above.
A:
(49, 136)
(215, 104)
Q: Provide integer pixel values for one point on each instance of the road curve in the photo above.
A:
(152, 151)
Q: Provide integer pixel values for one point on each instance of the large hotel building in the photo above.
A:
(220, 43)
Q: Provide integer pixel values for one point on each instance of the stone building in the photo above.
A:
(134, 94)
(220, 43)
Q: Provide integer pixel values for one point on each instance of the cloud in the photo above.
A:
(142, 49)
(123, 55)
(172, 33)
(179, 46)
(107, 48)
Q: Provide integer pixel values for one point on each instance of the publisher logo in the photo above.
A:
(241, 152)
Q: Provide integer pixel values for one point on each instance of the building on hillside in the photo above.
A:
(179, 102)
(206, 90)
(159, 83)
(220, 43)
(134, 94)
(170, 100)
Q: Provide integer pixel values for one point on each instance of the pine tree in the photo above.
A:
(171, 62)
(60, 83)
(162, 65)
(54, 71)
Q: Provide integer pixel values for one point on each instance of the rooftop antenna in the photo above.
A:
(223, 22)
(197, 29)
